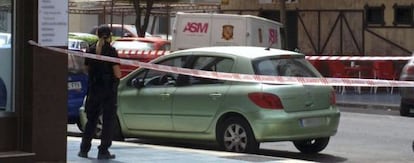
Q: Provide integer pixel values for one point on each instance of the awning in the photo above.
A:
(118, 8)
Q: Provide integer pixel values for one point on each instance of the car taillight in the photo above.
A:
(332, 98)
(410, 70)
(266, 100)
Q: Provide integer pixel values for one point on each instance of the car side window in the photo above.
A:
(117, 32)
(208, 63)
(165, 47)
(160, 78)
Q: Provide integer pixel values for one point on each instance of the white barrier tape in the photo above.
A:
(149, 54)
(242, 77)
(358, 58)
(142, 53)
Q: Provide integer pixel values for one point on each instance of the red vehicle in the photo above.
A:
(121, 30)
(139, 48)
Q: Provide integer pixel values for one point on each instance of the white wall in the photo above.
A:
(82, 22)
(85, 22)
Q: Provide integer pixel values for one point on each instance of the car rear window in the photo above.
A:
(133, 45)
(285, 66)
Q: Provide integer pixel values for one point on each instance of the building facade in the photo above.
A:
(33, 89)
(33, 80)
(339, 27)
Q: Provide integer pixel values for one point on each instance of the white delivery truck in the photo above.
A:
(207, 29)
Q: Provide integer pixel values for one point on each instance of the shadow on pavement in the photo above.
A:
(263, 152)
(301, 156)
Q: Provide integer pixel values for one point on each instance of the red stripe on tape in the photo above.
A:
(242, 77)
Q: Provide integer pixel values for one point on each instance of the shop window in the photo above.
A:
(403, 15)
(6, 57)
(163, 24)
(374, 15)
(291, 1)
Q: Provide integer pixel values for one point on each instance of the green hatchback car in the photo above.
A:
(237, 115)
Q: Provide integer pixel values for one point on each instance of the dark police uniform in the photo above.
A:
(102, 98)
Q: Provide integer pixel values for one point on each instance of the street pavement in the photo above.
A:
(140, 152)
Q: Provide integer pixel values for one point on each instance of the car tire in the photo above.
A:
(311, 146)
(79, 124)
(235, 135)
(83, 119)
(118, 136)
(98, 129)
(404, 109)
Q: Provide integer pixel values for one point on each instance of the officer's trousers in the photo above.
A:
(100, 101)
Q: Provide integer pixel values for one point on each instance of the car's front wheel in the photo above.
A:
(79, 124)
(235, 135)
(311, 146)
(98, 130)
(83, 120)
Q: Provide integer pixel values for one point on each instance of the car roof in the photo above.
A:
(80, 34)
(151, 39)
(244, 51)
(129, 27)
(75, 40)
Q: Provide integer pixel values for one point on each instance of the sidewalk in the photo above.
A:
(379, 100)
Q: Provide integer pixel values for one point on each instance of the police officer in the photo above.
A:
(102, 93)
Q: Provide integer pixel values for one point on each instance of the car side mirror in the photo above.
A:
(128, 35)
(137, 83)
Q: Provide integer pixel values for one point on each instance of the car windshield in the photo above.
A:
(133, 45)
(131, 28)
(285, 66)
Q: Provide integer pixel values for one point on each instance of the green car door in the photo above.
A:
(146, 103)
(195, 106)
(147, 108)
(197, 102)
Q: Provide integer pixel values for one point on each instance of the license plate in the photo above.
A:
(74, 85)
(312, 122)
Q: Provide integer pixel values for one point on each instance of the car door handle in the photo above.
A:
(165, 94)
(308, 104)
(215, 95)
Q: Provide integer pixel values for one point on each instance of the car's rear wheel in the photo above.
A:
(235, 135)
(404, 109)
(311, 146)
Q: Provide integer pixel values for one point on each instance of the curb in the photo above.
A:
(369, 105)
